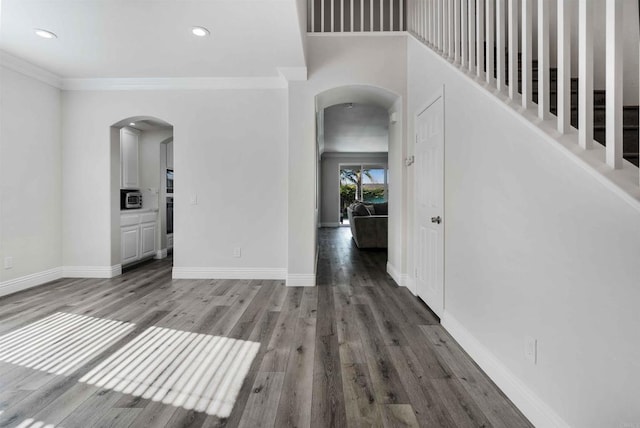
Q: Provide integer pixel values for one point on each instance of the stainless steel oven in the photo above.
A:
(169, 214)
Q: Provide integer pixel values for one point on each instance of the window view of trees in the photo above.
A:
(367, 184)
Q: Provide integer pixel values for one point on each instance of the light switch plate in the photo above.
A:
(8, 262)
(531, 349)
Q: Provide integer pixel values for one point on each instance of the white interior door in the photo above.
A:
(429, 185)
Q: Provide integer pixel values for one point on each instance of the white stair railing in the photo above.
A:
(493, 39)
(349, 16)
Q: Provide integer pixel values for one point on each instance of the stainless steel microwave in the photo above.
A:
(130, 199)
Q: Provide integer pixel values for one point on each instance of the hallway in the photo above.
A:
(355, 351)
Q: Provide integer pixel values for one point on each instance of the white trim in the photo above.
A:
(29, 281)
(91, 271)
(228, 273)
(395, 274)
(536, 410)
(359, 33)
(330, 224)
(30, 70)
(161, 254)
(356, 155)
(301, 280)
(173, 83)
(402, 279)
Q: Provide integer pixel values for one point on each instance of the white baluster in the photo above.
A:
(370, 15)
(544, 93)
(456, 31)
(401, 20)
(563, 76)
(464, 36)
(332, 15)
(513, 48)
(381, 15)
(489, 40)
(351, 15)
(500, 43)
(480, 35)
(614, 83)
(527, 53)
(313, 18)
(472, 35)
(322, 16)
(585, 74)
(451, 30)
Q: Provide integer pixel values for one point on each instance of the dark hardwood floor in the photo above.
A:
(354, 351)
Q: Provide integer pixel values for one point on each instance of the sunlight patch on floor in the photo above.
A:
(60, 343)
(183, 369)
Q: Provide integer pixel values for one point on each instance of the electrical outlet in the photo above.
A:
(531, 349)
(237, 252)
(8, 262)
(194, 199)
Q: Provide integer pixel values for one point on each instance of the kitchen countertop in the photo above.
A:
(139, 211)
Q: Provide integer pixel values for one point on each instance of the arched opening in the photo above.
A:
(359, 146)
(141, 190)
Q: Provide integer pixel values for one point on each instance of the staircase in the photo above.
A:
(631, 125)
(465, 31)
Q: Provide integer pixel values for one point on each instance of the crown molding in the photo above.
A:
(173, 83)
(285, 75)
(30, 70)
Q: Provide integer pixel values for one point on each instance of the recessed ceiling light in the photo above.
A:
(45, 34)
(200, 31)
(132, 124)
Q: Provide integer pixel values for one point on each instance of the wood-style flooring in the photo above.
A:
(355, 351)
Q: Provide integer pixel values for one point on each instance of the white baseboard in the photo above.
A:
(301, 280)
(228, 273)
(91, 271)
(395, 274)
(29, 281)
(330, 225)
(536, 410)
(161, 254)
(402, 279)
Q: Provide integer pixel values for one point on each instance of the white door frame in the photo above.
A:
(430, 101)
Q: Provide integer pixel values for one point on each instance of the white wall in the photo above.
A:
(330, 213)
(535, 245)
(30, 176)
(333, 61)
(238, 173)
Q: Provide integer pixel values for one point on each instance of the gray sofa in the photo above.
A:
(369, 224)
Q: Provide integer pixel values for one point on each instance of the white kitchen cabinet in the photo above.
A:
(129, 159)
(138, 235)
(130, 244)
(147, 240)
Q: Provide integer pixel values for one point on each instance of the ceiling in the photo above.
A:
(361, 128)
(152, 38)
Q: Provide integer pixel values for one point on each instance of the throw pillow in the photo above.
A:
(361, 210)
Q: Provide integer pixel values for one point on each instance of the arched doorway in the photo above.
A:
(372, 150)
(141, 190)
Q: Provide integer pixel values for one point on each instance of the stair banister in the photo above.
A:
(585, 74)
(613, 16)
(513, 48)
(544, 92)
(563, 77)
(450, 27)
(527, 53)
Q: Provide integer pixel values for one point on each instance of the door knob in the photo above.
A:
(437, 220)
